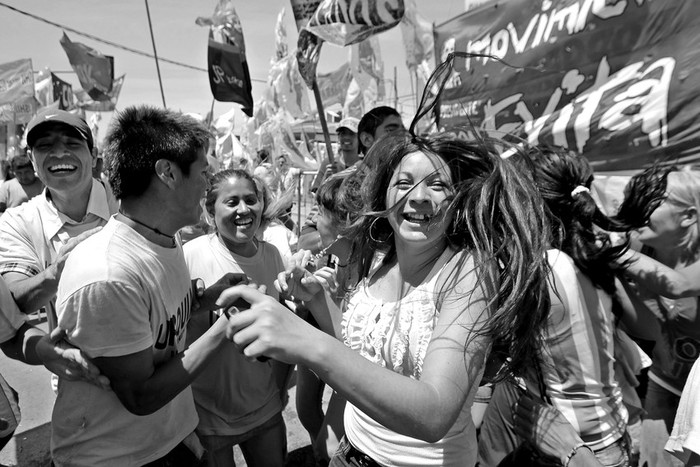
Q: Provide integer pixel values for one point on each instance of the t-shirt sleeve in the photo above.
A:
(17, 254)
(685, 437)
(11, 319)
(3, 193)
(106, 319)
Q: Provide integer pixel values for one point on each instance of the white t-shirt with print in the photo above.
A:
(121, 294)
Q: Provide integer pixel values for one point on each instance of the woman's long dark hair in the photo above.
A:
(564, 179)
(497, 215)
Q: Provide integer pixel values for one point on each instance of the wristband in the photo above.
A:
(573, 452)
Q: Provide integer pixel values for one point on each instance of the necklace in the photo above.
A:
(154, 230)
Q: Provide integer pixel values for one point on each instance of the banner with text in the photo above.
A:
(616, 81)
(16, 81)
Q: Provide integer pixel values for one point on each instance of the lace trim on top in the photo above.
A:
(407, 325)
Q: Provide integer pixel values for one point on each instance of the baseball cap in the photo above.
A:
(350, 123)
(46, 116)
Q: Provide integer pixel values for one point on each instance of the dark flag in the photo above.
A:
(85, 103)
(229, 77)
(95, 71)
(62, 93)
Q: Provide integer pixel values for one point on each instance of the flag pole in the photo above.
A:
(322, 117)
(155, 54)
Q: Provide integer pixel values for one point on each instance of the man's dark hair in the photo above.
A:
(142, 135)
(371, 121)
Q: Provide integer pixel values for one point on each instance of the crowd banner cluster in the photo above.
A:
(615, 80)
(95, 71)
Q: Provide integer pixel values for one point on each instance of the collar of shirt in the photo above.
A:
(53, 220)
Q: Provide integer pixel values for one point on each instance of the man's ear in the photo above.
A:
(30, 154)
(167, 172)
(93, 152)
(366, 139)
(690, 217)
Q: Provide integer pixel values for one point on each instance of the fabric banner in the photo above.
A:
(418, 41)
(308, 53)
(288, 91)
(615, 81)
(367, 87)
(20, 111)
(343, 23)
(229, 77)
(62, 93)
(86, 103)
(95, 71)
(333, 86)
(16, 81)
(303, 10)
(281, 46)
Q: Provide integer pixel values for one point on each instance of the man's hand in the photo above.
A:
(67, 361)
(207, 301)
(57, 267)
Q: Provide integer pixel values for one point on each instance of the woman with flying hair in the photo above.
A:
(450, 256)
(576, 373)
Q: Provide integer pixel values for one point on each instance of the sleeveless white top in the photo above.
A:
(396, 335)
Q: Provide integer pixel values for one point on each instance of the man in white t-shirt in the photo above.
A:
(125, 298)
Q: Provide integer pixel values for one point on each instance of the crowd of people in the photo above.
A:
(465, 308)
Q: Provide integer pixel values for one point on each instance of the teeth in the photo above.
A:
(417, 217)
(243, 222)
(56, 168)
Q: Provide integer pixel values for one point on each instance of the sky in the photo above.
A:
(178, 38)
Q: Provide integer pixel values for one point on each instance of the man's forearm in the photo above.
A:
(22, 347)
(168, 379)
(32, 293)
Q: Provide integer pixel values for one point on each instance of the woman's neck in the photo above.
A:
(246, 250)
(415, 263)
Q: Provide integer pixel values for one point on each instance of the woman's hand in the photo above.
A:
(547, 429)
(267, 328)
(301, 283)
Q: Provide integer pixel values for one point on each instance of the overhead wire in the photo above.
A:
(107, 42)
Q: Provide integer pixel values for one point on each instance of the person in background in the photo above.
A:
(576, 371)
(239, 401)
(23, 187)
(374, 125)
(37, 237)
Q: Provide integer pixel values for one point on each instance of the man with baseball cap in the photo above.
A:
(36, 237)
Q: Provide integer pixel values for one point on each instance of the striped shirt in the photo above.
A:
(578, 360)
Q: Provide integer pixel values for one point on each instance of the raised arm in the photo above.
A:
(661, 279)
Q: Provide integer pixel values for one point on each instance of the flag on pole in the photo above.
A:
(343, 23)
(229, 77)
(288, 91)
(16, 81)
(333, 86)
(367, 87)
(86, 103)
(303, 10)
(417, 33)
(281, 46)
(308, 53)
(95, 71)
(62, 93)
